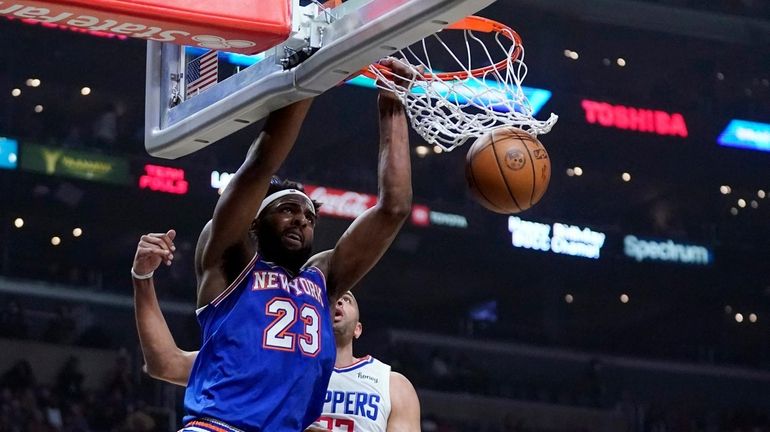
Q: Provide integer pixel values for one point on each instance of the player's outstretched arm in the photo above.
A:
(370, 235)
(163, 359)
(241, 199)
(404, 405)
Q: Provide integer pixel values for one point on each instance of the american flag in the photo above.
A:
(202, 73)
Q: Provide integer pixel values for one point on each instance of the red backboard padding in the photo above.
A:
(244, 26)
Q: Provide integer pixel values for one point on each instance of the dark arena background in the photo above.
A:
(635, 297)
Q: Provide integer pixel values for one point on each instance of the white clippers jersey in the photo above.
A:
(358, 398)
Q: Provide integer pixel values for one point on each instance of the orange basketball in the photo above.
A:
(507, 170)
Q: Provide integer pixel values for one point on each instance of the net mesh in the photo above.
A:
(448, 109)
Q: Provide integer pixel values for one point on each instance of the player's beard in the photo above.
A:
(271, 249)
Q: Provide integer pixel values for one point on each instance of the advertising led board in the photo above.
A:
(349, 205)
(558, 238)
(164, 179)
(747, 135)
(537, 97)
(74, 163)
(635, 119)
(9, 153)
(665, 250)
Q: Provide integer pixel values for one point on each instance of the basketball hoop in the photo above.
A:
(449, 108)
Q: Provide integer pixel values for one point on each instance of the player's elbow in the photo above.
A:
(396, 202)
(157, 370)
(165, 373)
(168, 370)
(398, 209)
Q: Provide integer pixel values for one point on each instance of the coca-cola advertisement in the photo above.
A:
(340, 203)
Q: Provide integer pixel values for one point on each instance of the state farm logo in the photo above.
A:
(218, 43)
(340, 203)
(98, 21)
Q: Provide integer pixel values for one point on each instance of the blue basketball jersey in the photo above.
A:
(267, 353)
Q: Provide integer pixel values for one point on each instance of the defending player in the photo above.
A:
(263, 302)
(363, 394)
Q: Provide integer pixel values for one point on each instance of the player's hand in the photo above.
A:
(154, 249)
(402, 75)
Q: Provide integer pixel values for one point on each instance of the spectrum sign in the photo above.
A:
(557, 238)
(746, 134)
(635, 119)
(665, 250)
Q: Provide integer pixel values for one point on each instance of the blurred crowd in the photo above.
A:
(68, 324)
(751, 8)
(460, 371)
(27, 405)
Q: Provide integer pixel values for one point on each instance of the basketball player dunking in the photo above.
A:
(264, 304)
(363, 395)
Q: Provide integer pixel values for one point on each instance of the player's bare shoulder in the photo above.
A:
(401, 384)
(405, 405)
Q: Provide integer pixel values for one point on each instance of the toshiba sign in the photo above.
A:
(635, 119)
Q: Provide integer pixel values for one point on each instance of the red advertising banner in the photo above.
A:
(635, 119)
(349, 205)
(340, 203)
(164, 179)
(247, 27)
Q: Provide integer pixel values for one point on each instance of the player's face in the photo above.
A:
(346, 318)
(293, 223)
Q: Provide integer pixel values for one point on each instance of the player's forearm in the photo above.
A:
(395, 170)
(239, 202)
(163, 358)
(281, 131)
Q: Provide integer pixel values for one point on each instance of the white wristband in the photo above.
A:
(141, 277)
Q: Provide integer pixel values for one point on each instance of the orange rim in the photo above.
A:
(473, 23)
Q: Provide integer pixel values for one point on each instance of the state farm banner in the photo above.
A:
(340, 203)
(246, 26)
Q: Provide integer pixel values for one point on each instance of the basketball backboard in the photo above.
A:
(342, 41)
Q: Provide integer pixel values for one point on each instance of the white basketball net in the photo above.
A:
(448, 113)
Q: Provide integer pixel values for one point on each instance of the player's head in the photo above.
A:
(347, 325)
(285, 223)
